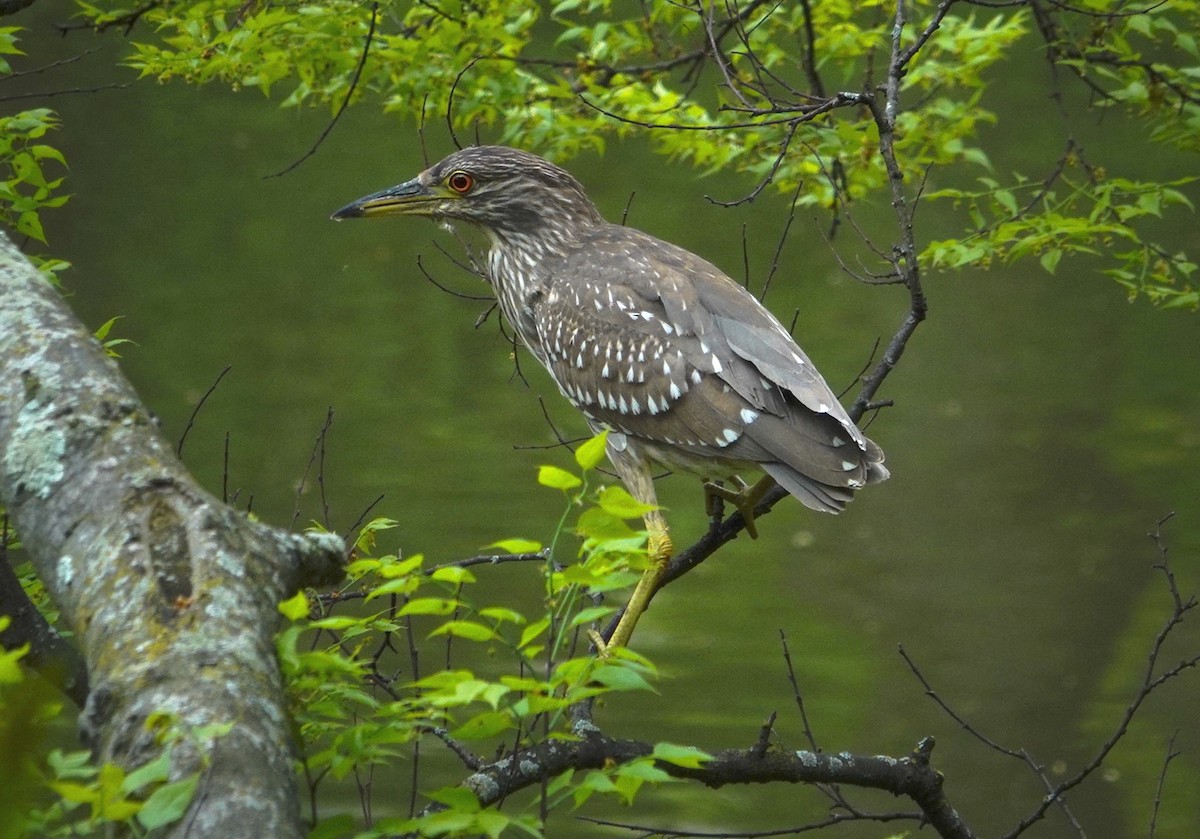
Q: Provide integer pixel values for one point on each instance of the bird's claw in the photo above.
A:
(744, 497)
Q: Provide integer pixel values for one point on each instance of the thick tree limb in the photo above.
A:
(910, 777)
(171, 593)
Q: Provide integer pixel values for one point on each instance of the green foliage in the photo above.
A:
(70, 795)
(504, 679)
(562, 78)
(25, 187)
(1090, 214)
(110, 344)
(10, 669)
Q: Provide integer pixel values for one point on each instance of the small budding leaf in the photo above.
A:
(589, 454)
(106, 327)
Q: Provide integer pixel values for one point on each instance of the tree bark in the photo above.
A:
(171, 594)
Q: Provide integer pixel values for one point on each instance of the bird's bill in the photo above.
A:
(409, 197)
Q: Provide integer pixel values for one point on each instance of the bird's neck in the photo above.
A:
(518, 261)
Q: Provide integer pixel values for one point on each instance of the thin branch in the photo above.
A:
(931, 27)
(363, 515)
(447, 289)
(450, 102)
(770, 177)
(325, 520)
(810, 52)
(65, 92)
(797, 695)
(469, 759)
(192, 419)
(126, 20)
(1162, 781)
(787, 228)
(362, 61)
(318, 445)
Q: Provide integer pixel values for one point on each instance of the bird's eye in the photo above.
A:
(460, 182)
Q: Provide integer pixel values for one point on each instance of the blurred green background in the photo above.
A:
(1042, 426)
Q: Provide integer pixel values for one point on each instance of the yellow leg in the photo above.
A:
(745, 498)
(635, 474)
(659, 548)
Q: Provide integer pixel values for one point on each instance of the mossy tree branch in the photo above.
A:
(171, 594)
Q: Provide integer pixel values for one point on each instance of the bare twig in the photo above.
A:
(318, 446)
(1162, 780)
(195, 411)
(362, 61)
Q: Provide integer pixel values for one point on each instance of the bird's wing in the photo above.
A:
(653, 341)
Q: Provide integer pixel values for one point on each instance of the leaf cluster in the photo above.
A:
(504, 678)
(31, 176)
(70, 794)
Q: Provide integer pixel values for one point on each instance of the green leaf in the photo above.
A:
(111, 803)
(452, 574)
(1050, 259)
(533, 631)
(555, 478)
(593, 613)
(590, 453)
(597, 523)
(156, 771)
(71, 764)
(465, 629)
(105, 328)
(456, 798)
(482, 726)
(10, 669)
(501, 614)
(428, 606)
(517, 546)
(621, 678)
(686, 756)
(365, 543)
(492, 823)
(617, 500)
(295, 608)
(168, 803)
(400, 585)
(79, 793)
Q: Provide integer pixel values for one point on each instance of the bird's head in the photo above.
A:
(505, 191)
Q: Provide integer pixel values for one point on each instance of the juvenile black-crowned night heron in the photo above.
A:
(682, 365)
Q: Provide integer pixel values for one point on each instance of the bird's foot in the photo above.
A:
(659, 546)
(603, 648)
(744, 497)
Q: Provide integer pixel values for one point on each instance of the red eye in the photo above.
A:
(460, 182)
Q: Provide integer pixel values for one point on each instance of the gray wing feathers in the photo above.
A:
(699, 319)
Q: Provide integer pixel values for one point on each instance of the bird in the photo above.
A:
(682, 366)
